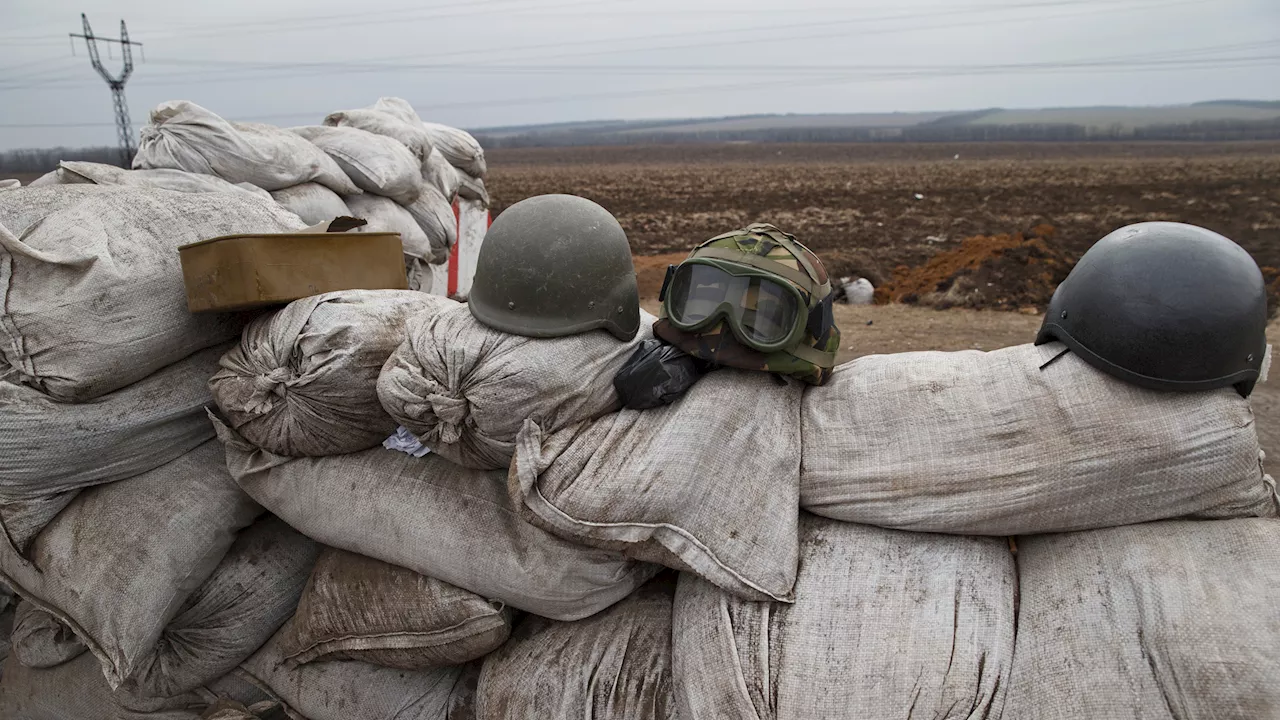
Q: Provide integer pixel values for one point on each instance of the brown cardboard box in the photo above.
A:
(236, 272)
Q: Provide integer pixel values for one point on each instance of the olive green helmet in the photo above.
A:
(555, 265)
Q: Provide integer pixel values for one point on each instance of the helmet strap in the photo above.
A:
(813, 356)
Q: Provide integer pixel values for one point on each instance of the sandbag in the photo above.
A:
(437, 519)
(6, 632)
(312, 202)
(52, 448)
(399, 107)
(459, 148)
(40, 640)
(117, 564)
(616, 664)
(682, 485)
(998, 443)
(10, 184)
(465, 389)
(472, 188)
(375, 163)
(71, 172)
(437, 172)
(185, 136)
(379, 122)
(384, 215)
(253, 591)
(92, 290)
(1164, 620)
(359, 608)
(434, 214)
(303, 380)
(351, 690)
(22, 520)
(886, 624)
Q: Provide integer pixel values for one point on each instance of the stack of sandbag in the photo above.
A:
(462, 151)
(71, 172)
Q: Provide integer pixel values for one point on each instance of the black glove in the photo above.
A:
(657, 374)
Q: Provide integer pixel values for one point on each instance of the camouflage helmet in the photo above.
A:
(760, 250)
(555, 265)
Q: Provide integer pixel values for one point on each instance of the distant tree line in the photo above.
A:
(43, 160)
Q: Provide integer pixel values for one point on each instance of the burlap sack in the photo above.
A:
(359, 608)
(117, 564)
(616, 664)
(995, 444)
(40, 640)
(375, 163)
(709, 484)
(312, 202)
(466, 389)
(437, 519)
(886, 624)
(91, 284)
(303, 380)
(1157, 621)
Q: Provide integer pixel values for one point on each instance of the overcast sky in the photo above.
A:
(485, 63)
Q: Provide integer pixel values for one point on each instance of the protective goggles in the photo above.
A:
(763, 312)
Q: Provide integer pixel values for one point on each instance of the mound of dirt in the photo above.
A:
(1001, 272)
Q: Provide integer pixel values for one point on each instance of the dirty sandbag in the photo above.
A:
(71, 172)
(6, 628)
(42, 641)
(411, 135)
(225, 709)
(437, 519)
(434, 214)
(616, 664)
(312, 202)
(385, 215)
(459, 148)
(358, 608)
(472, 188)
(466, 389)
(253, 591)
(185, 136)
(10, 184)
(303, 380)
(1025, 439)
(437, 172)
(1162, 620)
(399, 107)
(76, 690)
(657, 374)
(375, 163)
(117, 564)
(93, 262)
(859, 292)
(728, 499)
(885, 624)
(24, 519)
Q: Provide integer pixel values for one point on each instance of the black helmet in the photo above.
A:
(1165, 306)
(556, 265)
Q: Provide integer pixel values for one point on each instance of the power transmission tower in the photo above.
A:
(123, 125)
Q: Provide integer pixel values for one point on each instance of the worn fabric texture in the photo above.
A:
(375, 163)
(118, 563)
(437, 519)
(410, 134)
(359, 608)
(23, 520)
(997, 443)
(683, 485)
(472, 188)
(886, 624)
(434, 214)
(312, 202)
(50, 448)
(70, 172)
(384, 215)
(1165, 620)
(40, 640)
(253, 591)
(303, 380)
(185, 136)
(466, 389)
(437, 172)
(91, 283)
(615, 665)
(459, 148)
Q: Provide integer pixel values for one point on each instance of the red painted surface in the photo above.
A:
(453, 252)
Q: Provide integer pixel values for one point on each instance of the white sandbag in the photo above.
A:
(459, 148)
(681, 485)
(117, 564)
(10, 184)
(358, 608)
(185, 136)
(995, 444)
(312, 202)
(399, 107)
(384, 215)
(40, 640)
(352, 690)
(437, 172)
(71, 172)
(303, 380)
(253, 591)
(1157, 621)
(51, 447)
(886, 624)
(472, 188)
(437, 519)
(434, 214)
(379, 122)
(375, 163)
(92, 290)
(616, 664)
(466, 389)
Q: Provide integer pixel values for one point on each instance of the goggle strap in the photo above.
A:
(770, 266)
(813, 355)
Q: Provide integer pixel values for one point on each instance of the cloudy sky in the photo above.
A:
(485, 63)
